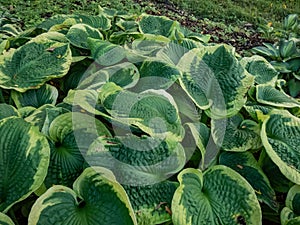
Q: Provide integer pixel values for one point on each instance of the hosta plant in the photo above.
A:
(284, 54)
(133, 119)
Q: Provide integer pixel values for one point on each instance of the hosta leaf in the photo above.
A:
(278, 181)
(196, 135)
(125, 75)
(51, 114)
(246, 165)
(98, 22)
(86, 99)
(290, 215)
(7, 111)
(137, 160)
(156, 75)
(293, 199)
(294, 87)
(219, 196)
(190, 44)
(254, 109)
(215, 80)
(287, 48)
(172, 53)
(106, 53)
(123, 37)
(24, 160)
(268, 50)
(5, 220)
(64, 26)
(46, 94)
(75, 75)
(43, 58)
(153, 111)
(26, 111)
(96, 198)
(259, 67)
(71, 135)
(127, 25)
(146, 47)
(54, 20)
(240, 135)
(159, 25)
(188, 112)
(267, 94)
(36, 116)
(152, 203)
(280, 137)
(79, 33)
(291, 21)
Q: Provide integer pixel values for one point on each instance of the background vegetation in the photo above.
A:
(229, 11)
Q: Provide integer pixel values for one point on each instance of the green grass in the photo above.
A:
(257, 12)
(30, 12)
(232, 11)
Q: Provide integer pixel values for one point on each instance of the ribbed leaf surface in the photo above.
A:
(280, 136)
(245, 164)
(7, 111)
(46, 94)
(259, 67)
(267, 94)
(152, 203)
(159, 25)
(24, 160)
(71, 135)
(96, 199)
(240, 135)
(43, 58)
(219, 196)
(215, 80)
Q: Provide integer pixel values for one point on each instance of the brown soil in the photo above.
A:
(245, 39)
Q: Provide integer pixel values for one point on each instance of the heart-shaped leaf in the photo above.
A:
(156, 75)
(125, 75)
(153, 111)
(71, 135)
(96, 199)
(219, 196)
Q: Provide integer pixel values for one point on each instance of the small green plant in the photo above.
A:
(284, 55)
(290, 28)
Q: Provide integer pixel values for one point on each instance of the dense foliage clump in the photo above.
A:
(132, 119)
